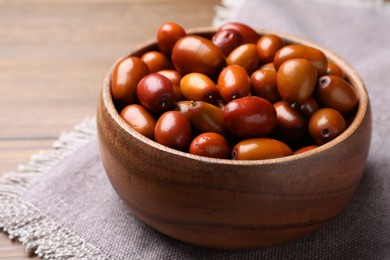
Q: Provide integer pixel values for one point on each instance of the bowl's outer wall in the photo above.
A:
(226, 204)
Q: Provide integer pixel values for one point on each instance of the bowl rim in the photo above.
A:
(351, 74)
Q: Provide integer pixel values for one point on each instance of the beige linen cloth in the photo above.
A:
(61, 205)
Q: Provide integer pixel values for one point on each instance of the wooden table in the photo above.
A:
(53, 57)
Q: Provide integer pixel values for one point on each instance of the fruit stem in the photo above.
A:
(325, 132)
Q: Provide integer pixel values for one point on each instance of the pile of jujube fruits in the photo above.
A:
(233, 94)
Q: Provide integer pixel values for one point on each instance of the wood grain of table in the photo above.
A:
(53, 57)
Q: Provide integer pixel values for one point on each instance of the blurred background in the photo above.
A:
(53, 58)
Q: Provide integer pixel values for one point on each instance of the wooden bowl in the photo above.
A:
(230, 204)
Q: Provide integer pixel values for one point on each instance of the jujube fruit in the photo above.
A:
(156, 61)
(210, 145)
(206, 117)
(173, 129)
(125, 78)
(198, 87)
(233, 82)
(194, 53)
(296, 79)
(227, 40)
(292, 125)
(167, 35)
(156, 92)
(325, 125)
(264, 84)
(140, 119)
(249, 35)
(245, 56)
(250, 116)
(260, 149)
(314, 55)
(267, 46)
(333, 91)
